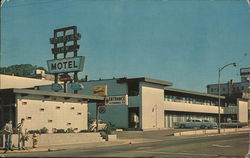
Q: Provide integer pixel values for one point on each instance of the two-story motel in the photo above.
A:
(152, 104)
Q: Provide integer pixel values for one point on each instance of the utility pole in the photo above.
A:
(219, 106)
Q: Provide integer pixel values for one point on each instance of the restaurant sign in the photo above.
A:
(74, 64)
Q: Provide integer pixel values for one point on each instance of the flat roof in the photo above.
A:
(193, 92)
(89, 98)
(216, 84)
(144, 79)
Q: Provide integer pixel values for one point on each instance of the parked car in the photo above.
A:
(196, 123)
(188, 124)
(208, 124)
(92, 125)
(234, 124)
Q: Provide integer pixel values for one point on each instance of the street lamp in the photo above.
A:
(220, 69)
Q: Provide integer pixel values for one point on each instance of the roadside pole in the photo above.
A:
(97, 117)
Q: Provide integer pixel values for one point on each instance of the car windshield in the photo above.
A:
(205, 121)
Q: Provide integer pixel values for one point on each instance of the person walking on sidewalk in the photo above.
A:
(8, 133)
(21, 135)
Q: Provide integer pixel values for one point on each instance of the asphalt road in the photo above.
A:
(234, 145)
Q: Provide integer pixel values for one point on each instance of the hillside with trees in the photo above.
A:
(24, 70)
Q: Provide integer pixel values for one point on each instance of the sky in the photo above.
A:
(181, 41)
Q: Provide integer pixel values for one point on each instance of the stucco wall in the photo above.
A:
(57, 139)
(63, 113)
(7, 81)
(242, 110)
(152, 106)
(117, 115)
(187, 107)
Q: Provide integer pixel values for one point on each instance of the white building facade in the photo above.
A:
(53, 110)
(153, 105)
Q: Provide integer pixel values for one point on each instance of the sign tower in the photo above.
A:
(65, 60)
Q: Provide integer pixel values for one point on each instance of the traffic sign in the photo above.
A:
(102, 110)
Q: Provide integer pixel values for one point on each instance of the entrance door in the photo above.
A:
(133, 117)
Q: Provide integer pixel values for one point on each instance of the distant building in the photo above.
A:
(41, 74)
(233, 90)
(229, 89)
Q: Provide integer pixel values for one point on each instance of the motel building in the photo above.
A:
(53, 110)
(153, 104)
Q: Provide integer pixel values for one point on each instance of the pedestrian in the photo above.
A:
(21, 135)
(8, 133)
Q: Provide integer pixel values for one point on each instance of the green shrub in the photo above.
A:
(85, 131)
(59, 131)
(70, 130)
(34, 131)
(110, 128)
(41, 131)
(44, 130)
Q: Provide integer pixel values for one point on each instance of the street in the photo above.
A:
(233, 145)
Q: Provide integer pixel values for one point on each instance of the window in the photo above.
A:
(68, 123)
(58, 107)
(50, 121)
(75, 129)
(242, 88)
(28, 118)
(72, 108)
(24, 103)
(79, 113)
(212, 89)
(42, 109)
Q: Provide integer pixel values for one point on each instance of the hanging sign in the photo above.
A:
(56, 87)
(100, 90)
(74, 64)
(76, 86)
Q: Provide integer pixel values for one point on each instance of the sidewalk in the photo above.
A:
(126, 137)
(83, 145)
(68, 146)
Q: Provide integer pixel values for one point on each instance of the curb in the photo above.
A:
(210, 132)
(24, 151)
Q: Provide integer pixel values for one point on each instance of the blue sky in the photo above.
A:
(184, 42)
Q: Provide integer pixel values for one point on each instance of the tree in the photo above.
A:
(23, 70)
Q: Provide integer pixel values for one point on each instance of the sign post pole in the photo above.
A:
(97, 117)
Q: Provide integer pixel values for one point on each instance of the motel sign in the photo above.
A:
(66, 65)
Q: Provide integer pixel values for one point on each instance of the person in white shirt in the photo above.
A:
(21, 134)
